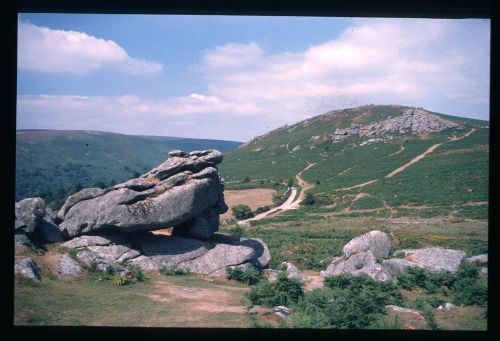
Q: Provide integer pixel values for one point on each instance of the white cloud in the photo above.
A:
(441, 65)
(57, 51)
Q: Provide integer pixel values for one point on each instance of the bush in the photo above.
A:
(173, 271)
(309, 199)
(250, 277)
(346, 302)
(284, 291)
(241, 212)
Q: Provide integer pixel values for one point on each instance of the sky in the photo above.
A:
(236, 77)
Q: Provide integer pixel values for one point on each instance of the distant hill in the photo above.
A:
(54, 163)
(356, 146)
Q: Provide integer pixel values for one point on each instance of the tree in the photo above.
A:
(241, 212)
(247, 179)
(309, 199)
(290, 182)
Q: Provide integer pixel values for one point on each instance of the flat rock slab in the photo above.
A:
(262, 255)
(398, 266)
(479, 259)
(434, 259)
(100, 240)
(168, 251)
(221, 256)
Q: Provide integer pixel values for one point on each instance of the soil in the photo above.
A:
(253, 198)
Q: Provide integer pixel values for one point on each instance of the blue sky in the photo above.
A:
(230, 77)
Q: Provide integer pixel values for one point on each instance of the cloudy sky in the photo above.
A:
(228, 77)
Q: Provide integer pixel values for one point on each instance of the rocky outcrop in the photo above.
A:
(434, 259)
(29, 213)
(155, 251)
(27, 268)
(377, 242)
(185, 192)
(416, 121)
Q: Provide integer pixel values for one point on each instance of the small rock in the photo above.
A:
(446, 306)
(479, 259)
(281, 311)
(68, 266)
(293, 272)
(27, 268)
(270, 274)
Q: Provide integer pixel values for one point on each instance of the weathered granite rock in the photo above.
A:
(67, 266)
(27, 268)
(377, 242)
(293, 272)
(262, 255)
(187, 190)
(357, 264)
(201, 227)
(397, 266)
(84, 194)
(98, 240)
(168, 251)
(479, 259)
(145, 263)
(29, 213)
(221, 256)
(434, 259)
(281, 311)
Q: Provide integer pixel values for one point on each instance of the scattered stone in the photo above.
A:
(377, 242)
(415, 313)
(435, 259)
(270, 274)
(68, 266)
(29, 213)
(281, 311)
(27, 268)
(446, 306)
(293, 272)
(479, 259)
(260, 310)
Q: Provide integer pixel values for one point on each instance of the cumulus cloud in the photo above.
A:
(57, 51)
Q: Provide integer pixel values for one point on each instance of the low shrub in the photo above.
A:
(284, 291)
(173, 271)
(251, 276)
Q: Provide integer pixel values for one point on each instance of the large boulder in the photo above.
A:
(186, 191)
(434, 259)
(166, 251)
(218, 258)
(29, 213)
(84, 194)
(262, 256)
(27, 268)
(363, 262)
(377, 242)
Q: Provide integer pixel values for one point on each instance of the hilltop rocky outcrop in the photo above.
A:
(416, 121)
(112, 226)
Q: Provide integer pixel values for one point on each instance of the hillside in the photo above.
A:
(54, 163)
(354, 158)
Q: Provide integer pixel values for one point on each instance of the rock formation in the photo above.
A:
(185, 192)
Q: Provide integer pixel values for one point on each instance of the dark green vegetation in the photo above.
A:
(54, 164)
(284, 291)
(241, 212)
(250, 276)
(448, 179)
(173, 271)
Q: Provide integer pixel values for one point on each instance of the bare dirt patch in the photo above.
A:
(253, 198)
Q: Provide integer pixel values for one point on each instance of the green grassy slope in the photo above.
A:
(53, 163)
(454, 173)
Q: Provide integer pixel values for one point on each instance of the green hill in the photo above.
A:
(55, 163)
(453, 177)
